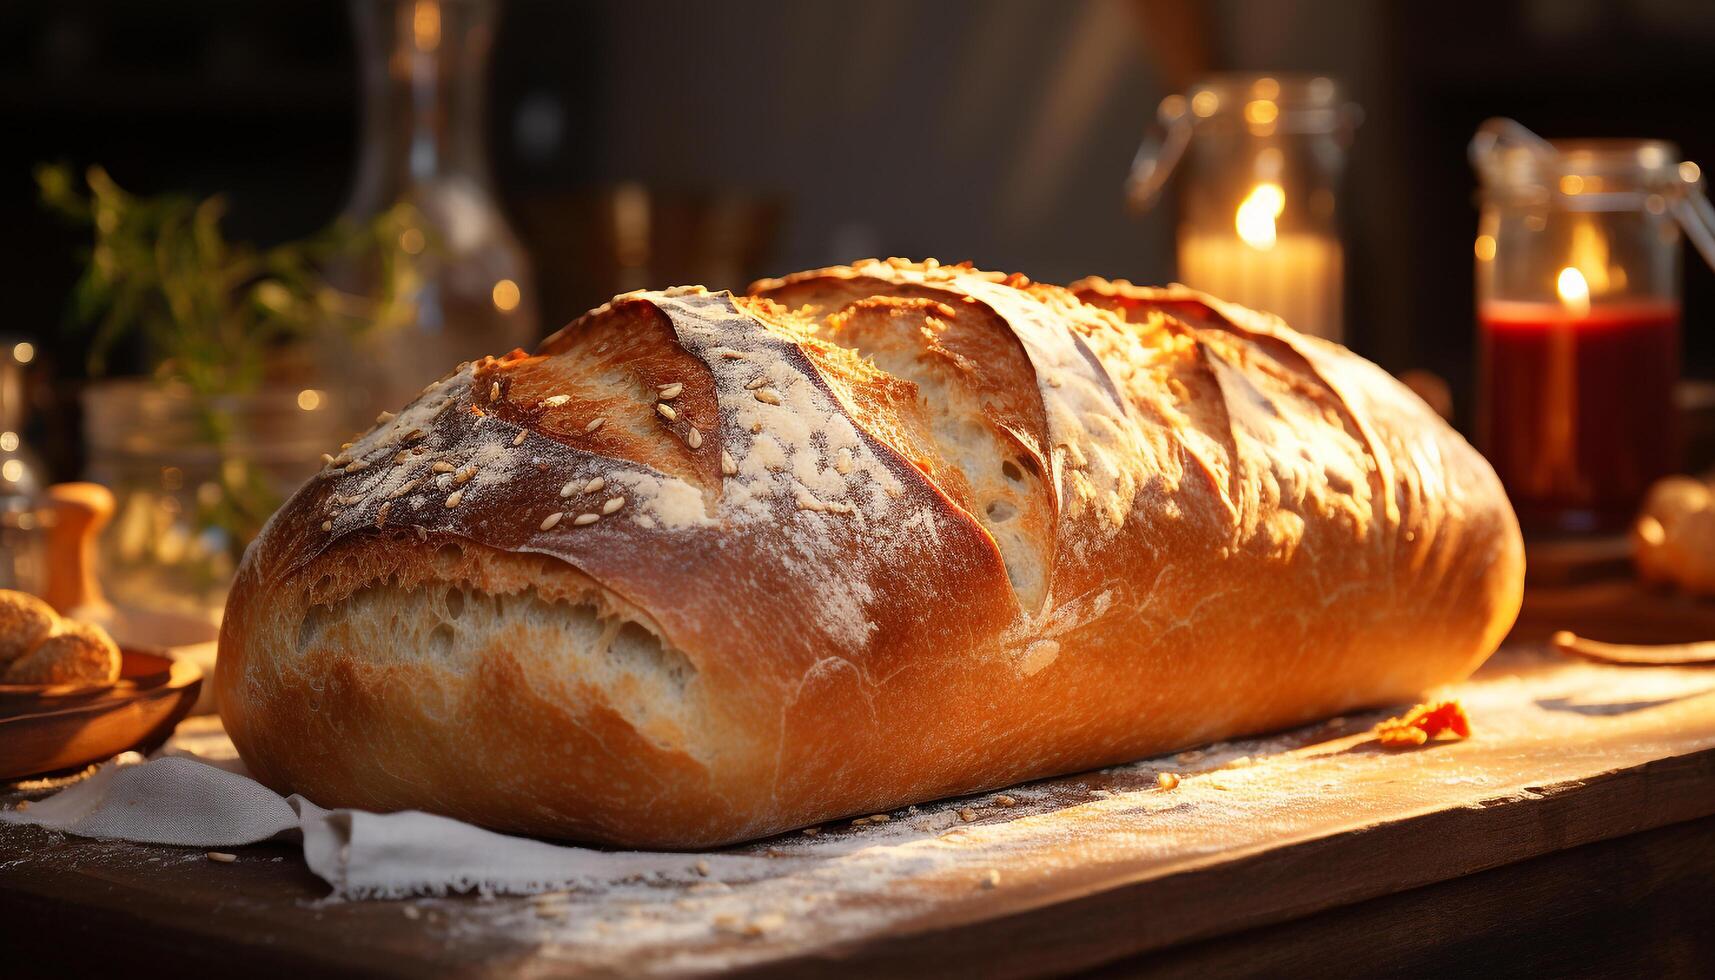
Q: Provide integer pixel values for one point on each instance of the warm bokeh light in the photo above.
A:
(8, 442)
(23, 352)
(12, 470)
(1571, 184)
(1205, 104)
(1689, 172)
(1266, 88)
(426, 25)
(309, 399)
(1574, 291)
(1485, 248)
(1261, 112)
(506, 296)
(1255, 217)
(411, 241)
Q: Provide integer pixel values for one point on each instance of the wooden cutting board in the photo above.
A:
(1055, 876)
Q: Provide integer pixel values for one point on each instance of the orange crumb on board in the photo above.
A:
(1436, 719)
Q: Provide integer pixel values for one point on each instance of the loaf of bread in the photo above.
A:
(706, 567)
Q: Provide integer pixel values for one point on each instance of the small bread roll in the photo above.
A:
(1673, 540)
(24, 622)
(77, 653)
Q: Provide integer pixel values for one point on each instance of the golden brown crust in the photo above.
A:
(883, 533)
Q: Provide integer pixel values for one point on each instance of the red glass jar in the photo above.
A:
(1578, 310)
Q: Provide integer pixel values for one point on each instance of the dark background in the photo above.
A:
(995, 131)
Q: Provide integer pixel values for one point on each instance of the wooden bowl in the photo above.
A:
(47, 729)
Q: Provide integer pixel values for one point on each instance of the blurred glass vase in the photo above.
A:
(468, 280)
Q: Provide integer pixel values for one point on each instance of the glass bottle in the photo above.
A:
(1263, 156)
(424, 66)
(1578, 310)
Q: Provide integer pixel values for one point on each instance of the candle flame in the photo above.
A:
(1574, 291)
(1256, 214)
(1589, 255)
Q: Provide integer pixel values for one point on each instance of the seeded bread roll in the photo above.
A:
(39, 648)
(76, 653)
(706, 567)
(24, 622)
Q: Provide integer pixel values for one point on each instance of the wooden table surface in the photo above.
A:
(1573, 834)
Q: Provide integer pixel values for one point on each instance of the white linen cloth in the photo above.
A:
(181, 799)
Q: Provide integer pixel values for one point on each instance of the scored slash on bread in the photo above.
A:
(865, 536)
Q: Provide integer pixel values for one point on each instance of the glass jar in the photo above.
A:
(424, 68)
(1578, 311)
(22, 557)
(1263, 156)
(194, 478)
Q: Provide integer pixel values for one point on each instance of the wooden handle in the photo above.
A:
(1648, 655)
(80, 511)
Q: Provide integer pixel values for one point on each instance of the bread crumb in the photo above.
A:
(412, 912)
(764, 923)
(1005, 800)
(967, 814)
(222, 857)
(810, 831)
(702, 868)
(1432, 720)
(1167, 780)
(991, 879)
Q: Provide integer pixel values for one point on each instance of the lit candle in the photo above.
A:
(1578, 415)
(1296, 276)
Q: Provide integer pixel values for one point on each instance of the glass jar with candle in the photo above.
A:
(1577, 271)
(1263, 156)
